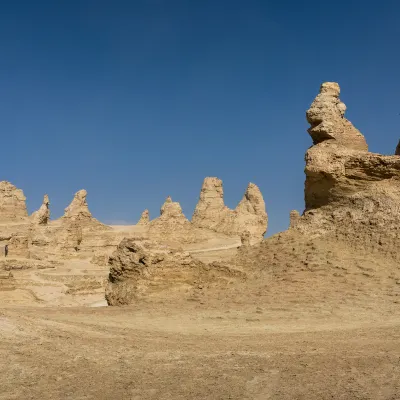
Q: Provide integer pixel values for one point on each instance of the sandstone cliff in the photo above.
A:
(12, 203)
(249, 215)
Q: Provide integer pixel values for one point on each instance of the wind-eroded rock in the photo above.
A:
(249, 215)
(152, 271)
(42, 216)
(78, 209)
(172, 225)
(139, 270)
(12, 203)
(144, 218)
(326, 117)
(351, 193)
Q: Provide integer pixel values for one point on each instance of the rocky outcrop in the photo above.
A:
(172, 225)
(326, 117)
(42, 216)
(154, 272)
(249, 215)
(352, 194)
(78, 209)
(144, 218)
(12, 203)
(294, 218)
(139, 270)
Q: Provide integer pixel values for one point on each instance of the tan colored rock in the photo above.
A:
(294, 218)
(326, 117)
(352, 195)
(245, 238)
(211, 204)
(42, 216)
(154, 272)
(172, 225)
(70, 237)
(137, 270)
(19, 247)
(249, 215)
(78, 209)
(144, 218)
(12, 203)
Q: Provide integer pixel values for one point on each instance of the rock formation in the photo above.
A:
(12, 203)
(152, 271)
(294, 218)
(172, 224)
(78, 209)
(249, 215)
(42, 216)
(134, 267)
(326, 117)
(351, 193)
(144, 218)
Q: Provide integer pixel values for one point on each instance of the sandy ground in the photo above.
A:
(191, 353)
(286, 341)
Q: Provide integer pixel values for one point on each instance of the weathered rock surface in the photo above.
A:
(326, 117)
(78, 209)
(249, 215)
(245, 238)
(351, 194)
(294, 218)
(144, 218)
(42, 216)
(172, 225)
(19, 247)
(139, 270)
(12, 203)
(152, 271)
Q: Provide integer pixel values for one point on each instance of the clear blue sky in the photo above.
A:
(138, 100)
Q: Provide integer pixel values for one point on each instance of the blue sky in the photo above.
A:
(138, 100)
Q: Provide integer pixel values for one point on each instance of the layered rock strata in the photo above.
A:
(350, 193)
(12, 203)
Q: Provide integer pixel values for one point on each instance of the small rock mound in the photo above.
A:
(139, 270)
(12, 203)
(42, 216)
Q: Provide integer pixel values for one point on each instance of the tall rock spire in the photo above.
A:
(326, 117)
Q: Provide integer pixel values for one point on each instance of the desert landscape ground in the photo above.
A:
(207, 308)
